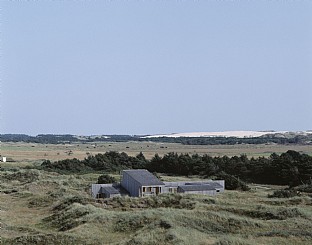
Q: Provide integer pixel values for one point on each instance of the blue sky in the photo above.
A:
(148, 67)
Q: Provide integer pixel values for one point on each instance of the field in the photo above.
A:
(30, 152)
(39, 207)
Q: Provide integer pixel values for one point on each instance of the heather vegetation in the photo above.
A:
(52, 208)
(48, 202)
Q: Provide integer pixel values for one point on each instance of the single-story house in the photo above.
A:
(140, 182)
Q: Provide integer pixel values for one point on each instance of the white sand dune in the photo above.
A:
(238, 134)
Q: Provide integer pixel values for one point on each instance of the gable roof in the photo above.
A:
(144, 177)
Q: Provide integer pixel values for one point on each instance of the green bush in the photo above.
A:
(44, 239)
(283, 194)
(42, 201)
(106, 179)
(25, 176)
(304, 188)
(233, 183)
(69, 201)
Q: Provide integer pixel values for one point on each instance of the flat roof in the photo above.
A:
(110, 190)
(206, 187)
(144, 177)
(212, 184)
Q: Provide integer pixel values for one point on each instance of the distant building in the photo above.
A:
(4, 159)
(140, 182)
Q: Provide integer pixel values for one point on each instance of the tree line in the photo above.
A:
(290, 168)
(67, 138)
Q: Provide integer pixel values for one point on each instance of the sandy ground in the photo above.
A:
(238, 134)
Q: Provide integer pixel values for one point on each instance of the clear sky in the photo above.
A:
(148, 67)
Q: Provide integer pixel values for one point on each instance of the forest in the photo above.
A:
(67, 138)
(290, 168)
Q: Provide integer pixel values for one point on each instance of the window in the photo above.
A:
(173, 190)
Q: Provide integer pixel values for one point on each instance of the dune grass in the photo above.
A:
(39, 207)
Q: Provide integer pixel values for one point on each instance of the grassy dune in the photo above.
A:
(38, 207)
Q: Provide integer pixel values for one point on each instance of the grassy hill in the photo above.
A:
(39, 207)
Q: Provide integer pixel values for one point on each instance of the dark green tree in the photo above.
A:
(106, 179)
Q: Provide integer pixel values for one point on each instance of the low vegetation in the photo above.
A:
(57, 209)
(292, 192)
(51, 204)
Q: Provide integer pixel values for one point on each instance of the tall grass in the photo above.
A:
(50, 208)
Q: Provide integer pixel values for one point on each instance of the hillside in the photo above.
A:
(49, 203)
(48, 208)
(194, 138)
(236, 134)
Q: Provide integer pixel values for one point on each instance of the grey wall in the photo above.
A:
(206, 192)
(131, 185)
(95, 188)
(165, 189)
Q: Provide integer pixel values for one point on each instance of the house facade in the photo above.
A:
(208, 187)
(140, 182)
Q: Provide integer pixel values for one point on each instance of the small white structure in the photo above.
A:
(3, 159)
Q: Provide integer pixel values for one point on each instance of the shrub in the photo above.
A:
(233, 183)
(27, 176)
(42, 201)
(106, 179)
(304, 188)
(284, 194)
(44, 239)
(69, 201)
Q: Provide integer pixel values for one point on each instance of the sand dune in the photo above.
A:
(238, 134)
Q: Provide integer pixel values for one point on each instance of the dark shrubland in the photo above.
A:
(67, 138)
(57, 209)
(290, 168)
(283, 194)
(292, 191)
(106, 179)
